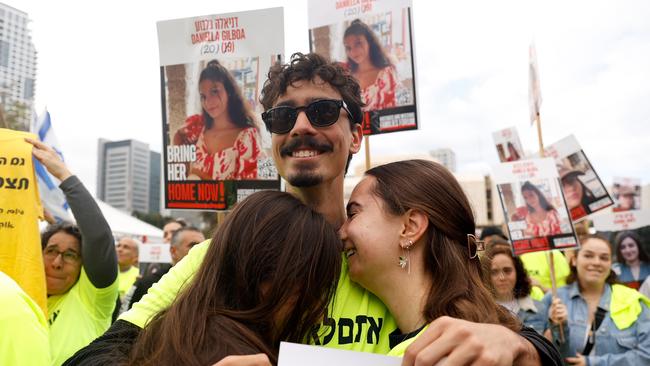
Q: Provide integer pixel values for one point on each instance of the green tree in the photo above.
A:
(14, 116)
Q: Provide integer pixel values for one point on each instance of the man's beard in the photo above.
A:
(305, 179)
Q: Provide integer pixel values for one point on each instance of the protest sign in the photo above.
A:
(534, 208)
(154, 253)
(627, 194)
(508, 145)
(583, 190)
(372, 39)
(212, 68)
(619, 221)
(21, 255)
(292, 354)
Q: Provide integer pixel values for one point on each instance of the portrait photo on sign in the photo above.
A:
(508, 145)
(212, 70)
(213, 119)
(583, 190)
(627, 194)
(534, 208)
(375, 46)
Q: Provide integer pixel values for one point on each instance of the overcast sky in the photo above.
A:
(98, 75)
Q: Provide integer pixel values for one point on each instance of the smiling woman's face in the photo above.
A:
(593, 262)
(62, 260)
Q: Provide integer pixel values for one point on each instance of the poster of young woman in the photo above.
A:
(627, 194)
(508, 145)
(533, 205)
(585, 193)
(372, 39)
(212, 68)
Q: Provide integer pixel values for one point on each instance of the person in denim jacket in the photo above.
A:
(623, 335)
(511, 285)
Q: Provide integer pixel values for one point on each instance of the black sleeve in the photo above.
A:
(98, 249)
(548, 353)
(141, 287)
(111, 348)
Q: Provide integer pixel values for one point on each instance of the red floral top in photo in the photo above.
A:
(381, 93)
(238, 162)
(549, 226)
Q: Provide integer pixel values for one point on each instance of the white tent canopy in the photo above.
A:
(122, 223)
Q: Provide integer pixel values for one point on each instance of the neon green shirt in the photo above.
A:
(23, 330)
(79, 316)
(356, 321)
(127, 279)
(537, 266)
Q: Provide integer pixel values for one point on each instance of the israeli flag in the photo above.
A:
(51, 196)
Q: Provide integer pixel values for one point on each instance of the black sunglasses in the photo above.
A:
(320, 113)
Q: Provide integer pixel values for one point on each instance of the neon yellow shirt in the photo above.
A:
(127, 279)
(23, 330)
(79, 316)
(537, 266)
(357, 320)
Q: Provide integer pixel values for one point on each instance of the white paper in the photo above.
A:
(618, 221)
(154, 253)
(292, 354)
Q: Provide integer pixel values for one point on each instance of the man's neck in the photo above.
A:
(124, 268)
(325, 198)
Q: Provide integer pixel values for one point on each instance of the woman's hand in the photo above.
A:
(50, 160)
(558, 313)
(579, 360)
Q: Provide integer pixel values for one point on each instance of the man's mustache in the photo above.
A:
(304, 141)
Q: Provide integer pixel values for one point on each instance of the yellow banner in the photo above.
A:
(21, 256)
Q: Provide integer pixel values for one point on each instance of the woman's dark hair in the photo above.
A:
(64, 227)
(377, 55)
(238, 110)
(546, 206)
(573, 274)
(643, 256)
(272, 257)
(458, 282)
(522, 283)
(513, 151)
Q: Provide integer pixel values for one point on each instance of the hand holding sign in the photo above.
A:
(50, 159)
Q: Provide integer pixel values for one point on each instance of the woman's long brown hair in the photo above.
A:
(268, 275)
(459, 286)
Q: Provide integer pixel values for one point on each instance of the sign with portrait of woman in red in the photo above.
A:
(212, 68)
(373, 40)
(534, 207)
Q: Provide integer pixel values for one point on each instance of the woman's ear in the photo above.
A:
(415, 225)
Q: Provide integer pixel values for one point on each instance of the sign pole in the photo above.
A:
(551, 262)
(366, 142)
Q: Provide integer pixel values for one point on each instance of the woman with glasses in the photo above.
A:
(226, 138)
(80, 266)
(511, 286)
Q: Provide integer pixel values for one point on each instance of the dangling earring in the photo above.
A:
(404, 259)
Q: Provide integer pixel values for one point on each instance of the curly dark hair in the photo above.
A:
(66, 227)
(239, 112)
(376, 52)
(522, 283)
(308, 67)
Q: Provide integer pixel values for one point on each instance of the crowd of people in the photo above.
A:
(401, 256)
